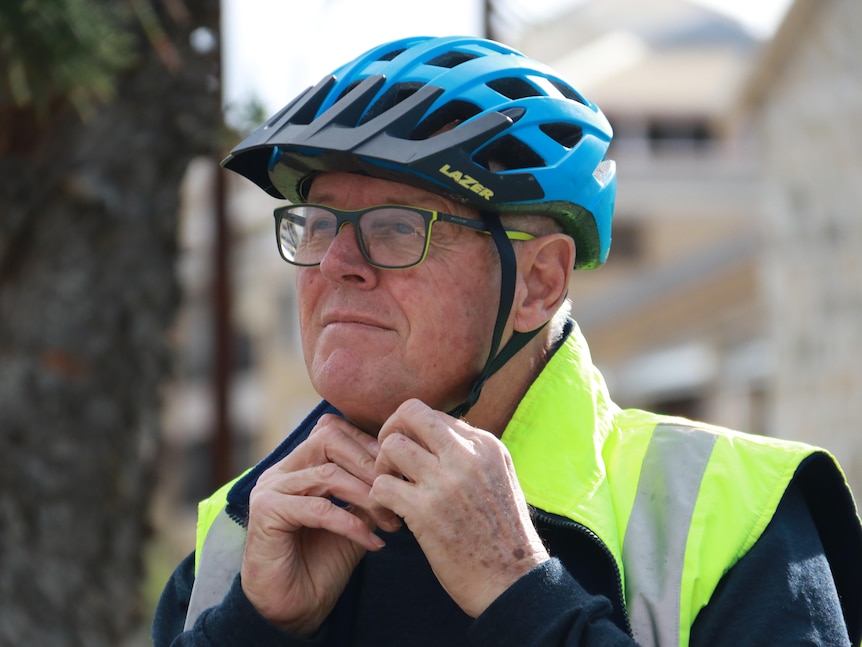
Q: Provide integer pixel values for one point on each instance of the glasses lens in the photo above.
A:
(305, 233)
(393, 236)
(390, 236)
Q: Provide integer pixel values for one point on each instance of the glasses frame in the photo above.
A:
(352, 217)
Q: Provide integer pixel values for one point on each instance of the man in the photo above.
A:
(467, 479)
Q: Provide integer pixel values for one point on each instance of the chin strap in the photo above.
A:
(508, 276)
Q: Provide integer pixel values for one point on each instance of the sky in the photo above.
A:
(276, 48)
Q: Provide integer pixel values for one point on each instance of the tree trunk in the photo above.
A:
(88, 215)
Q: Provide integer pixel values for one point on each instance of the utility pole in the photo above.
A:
(487, 11)
(222, 441)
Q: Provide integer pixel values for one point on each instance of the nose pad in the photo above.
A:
(347, 237)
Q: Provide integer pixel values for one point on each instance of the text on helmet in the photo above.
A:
(468, 182)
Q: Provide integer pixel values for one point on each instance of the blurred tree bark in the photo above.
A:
(102, 105)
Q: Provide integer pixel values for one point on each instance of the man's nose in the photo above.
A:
(344, 258)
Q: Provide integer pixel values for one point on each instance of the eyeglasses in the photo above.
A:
(389, 236)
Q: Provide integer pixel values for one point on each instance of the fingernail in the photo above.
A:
(393, 524)
(374, 448)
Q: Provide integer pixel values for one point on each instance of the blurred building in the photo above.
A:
(804, 100)
(733, 292)
(675, 319)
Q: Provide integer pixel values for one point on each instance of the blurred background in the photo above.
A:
(149, 347)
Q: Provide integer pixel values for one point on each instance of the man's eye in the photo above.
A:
(319, 225)
(405, 229)
(393, 228)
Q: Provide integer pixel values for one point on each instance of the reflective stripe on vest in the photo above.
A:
(658, 531)
(219, 562)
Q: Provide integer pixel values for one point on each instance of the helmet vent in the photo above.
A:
(390, 55)
(514, 88)
(452, 113)
(567, 135)
(568, 92)
(451, 59)
(508, 153)
(347, 90)
(391, 98)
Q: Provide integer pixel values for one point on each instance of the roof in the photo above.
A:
(668, 57)
(772, 59)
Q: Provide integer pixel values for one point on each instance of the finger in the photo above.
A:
(329, 480)
(401, 461)
(365, 440)
(434, 430)
(278, 513)
(391, 492)
(400, 455)
(334, 440)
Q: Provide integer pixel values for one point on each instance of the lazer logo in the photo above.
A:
(468, 182)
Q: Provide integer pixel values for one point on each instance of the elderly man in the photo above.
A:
(467, 480)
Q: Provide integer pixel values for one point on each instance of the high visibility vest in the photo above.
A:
(676, 504)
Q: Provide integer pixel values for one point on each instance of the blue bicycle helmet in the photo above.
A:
(464, 117)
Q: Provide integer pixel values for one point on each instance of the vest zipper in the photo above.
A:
(568, 524)
(237, 512)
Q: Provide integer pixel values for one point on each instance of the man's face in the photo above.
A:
(373, 338)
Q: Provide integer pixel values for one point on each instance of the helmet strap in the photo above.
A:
(508, 279)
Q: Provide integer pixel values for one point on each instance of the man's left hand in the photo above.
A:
(456, 489)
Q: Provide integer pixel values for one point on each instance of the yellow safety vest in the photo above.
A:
(676, 504)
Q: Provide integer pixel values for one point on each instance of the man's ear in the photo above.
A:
(544, 268)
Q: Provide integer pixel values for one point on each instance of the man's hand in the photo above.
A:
(302, 547)
(456, 489)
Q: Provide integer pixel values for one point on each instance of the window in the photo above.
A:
(672, 134)
(627, 244)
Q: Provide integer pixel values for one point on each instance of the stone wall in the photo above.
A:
(810, 113)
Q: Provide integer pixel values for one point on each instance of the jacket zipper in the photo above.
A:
(562, 522)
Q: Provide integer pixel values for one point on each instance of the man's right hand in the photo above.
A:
(301, 547)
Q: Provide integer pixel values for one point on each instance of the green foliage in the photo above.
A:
(62, 50)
